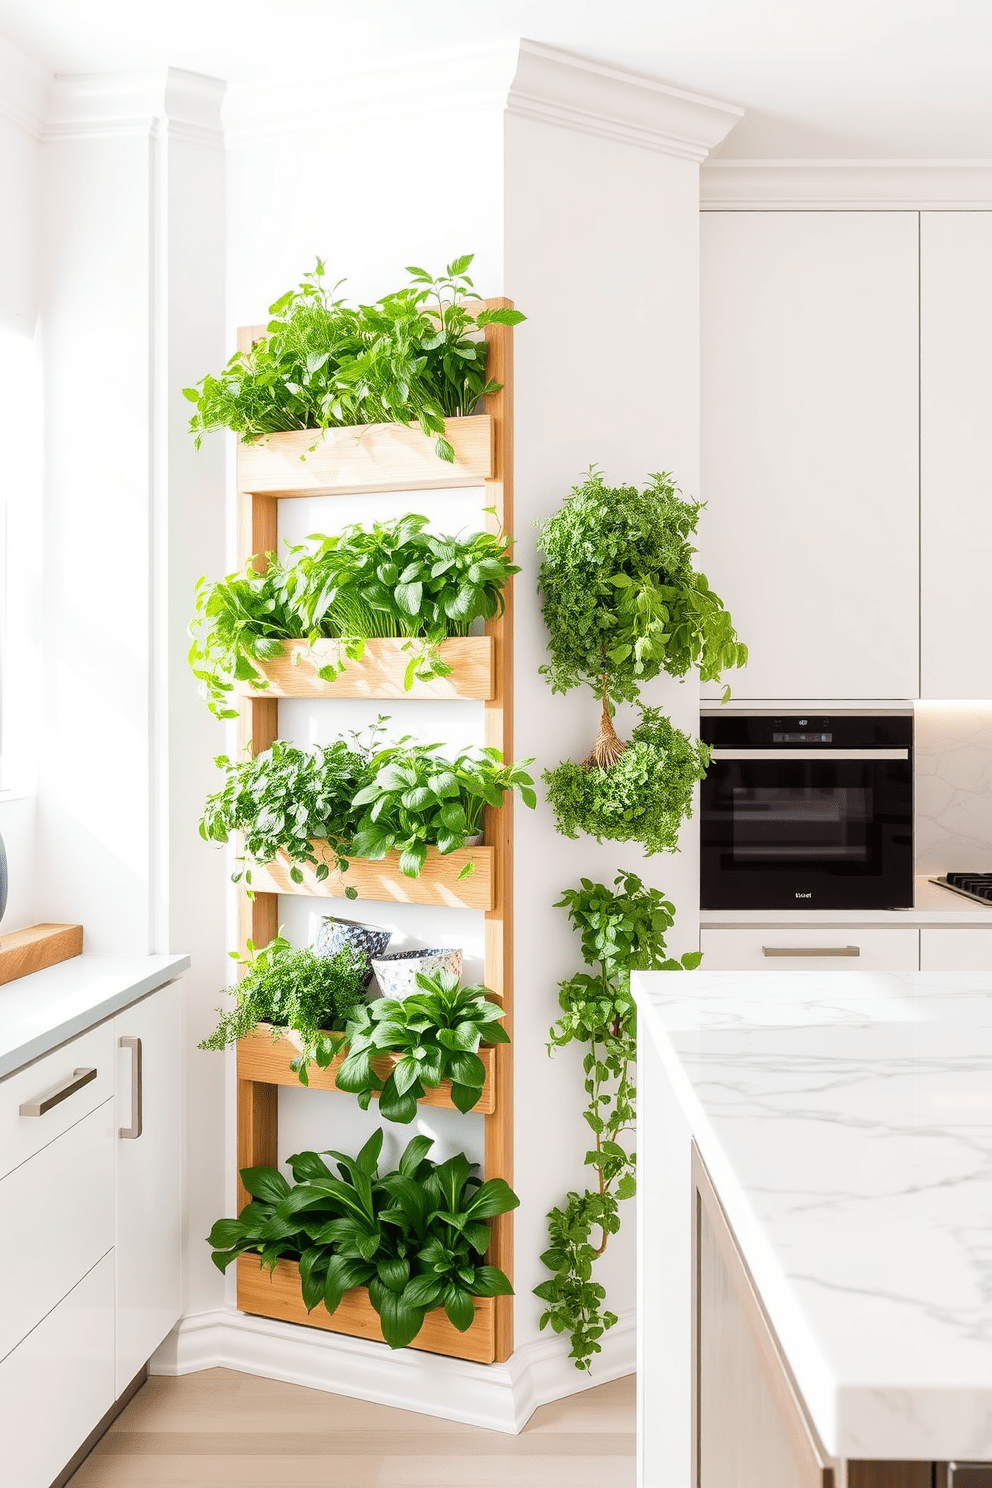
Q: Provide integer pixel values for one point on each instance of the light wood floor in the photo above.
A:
(220, 1429)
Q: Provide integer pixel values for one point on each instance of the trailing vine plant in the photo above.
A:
(622, 930)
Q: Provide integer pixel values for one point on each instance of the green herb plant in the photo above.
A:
(415, 799)
(643, 796)
(290, 987)
(416, 355)
(621, 597)
(437, 1031)
(622, 930)
(361, 801)
(415, 1236)
(390, 579)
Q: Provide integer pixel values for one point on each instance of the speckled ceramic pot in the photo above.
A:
(3, 878)
(397, 974)
(369, 940)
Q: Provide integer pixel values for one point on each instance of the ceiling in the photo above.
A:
(877, 79)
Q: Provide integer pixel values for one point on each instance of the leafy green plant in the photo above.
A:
(415, 798)
(621, 597)
(405, 797)
(284, 799)
(415, 1236)
(415, 355)
(390, 579)
(437, 1031)
(291, 987)
(643, 796)
(622, 930)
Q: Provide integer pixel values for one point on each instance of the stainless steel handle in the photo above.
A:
(811, 754)
(133, 1132)
(811, 950)
(58, 1093)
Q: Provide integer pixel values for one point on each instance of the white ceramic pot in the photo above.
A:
(397, 974)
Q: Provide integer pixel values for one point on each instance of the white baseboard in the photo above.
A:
(500, 1397)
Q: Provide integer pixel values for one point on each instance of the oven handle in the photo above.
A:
(811, 754)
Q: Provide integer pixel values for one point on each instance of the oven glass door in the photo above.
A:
(818, 834)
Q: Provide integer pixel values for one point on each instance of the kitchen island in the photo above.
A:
(815, 1218)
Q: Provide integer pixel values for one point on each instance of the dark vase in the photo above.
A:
(3, 877)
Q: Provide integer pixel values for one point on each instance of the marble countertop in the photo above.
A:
(933, 905)
(846, 1121)
(40, 1011)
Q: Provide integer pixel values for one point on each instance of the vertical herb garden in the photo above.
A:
(419, 1253)
(623, 603)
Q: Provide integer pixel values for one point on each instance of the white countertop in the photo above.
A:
(846, 1121)
(933, 905)
(40, 1011)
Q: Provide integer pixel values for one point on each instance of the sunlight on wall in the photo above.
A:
(20, 558)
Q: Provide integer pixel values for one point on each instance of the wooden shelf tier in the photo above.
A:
(266, 1061)
(438, 882)
(379, 673)
(278, 1294)
(366, 458)
(25, 951)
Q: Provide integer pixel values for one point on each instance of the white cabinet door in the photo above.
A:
(956, 451)
(57, 1220)
(810, 394)
(968, 948)
(58, 1383)
(149, 1200)
(846, 948)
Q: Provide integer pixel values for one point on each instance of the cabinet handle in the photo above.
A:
(811, 950)
(58, 1093)
(133, 1132)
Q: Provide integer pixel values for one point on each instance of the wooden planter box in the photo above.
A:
(262, 1059)
(379, 673)
(366, 458)
(438, 882)
(277, 1294)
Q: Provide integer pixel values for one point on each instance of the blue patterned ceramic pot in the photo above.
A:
(397, 974)
(368, 940)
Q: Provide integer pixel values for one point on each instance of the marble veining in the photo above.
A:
(847, 1122)
(953, 767)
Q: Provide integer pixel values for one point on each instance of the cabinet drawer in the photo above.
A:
(968, 948)
(57, 1385)
(22, 1136)
(57, 1220)
(819, 949)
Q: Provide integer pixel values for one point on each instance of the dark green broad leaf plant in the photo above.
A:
(621, 596)
(621, 930)
(437, 1031)
(415, 1237)
(415, 355)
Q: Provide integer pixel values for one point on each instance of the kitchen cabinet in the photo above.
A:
(955, 451)
(842, 948)
(90, 1208)
(148, 1220)
(810, 429)
(968, 948)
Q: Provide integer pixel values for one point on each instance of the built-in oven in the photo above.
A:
(807, 811)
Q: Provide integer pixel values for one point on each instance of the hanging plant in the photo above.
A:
(636, 792)
(416, 355)
(623, 930)
(621, 597)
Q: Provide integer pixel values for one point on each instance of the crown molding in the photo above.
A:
(573, 92)
(181, 105)
(24, 85)
(832, 185)
(521, 78)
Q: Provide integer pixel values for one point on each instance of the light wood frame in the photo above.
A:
(373, 459)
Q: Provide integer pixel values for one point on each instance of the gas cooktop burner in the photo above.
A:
(971, 885)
